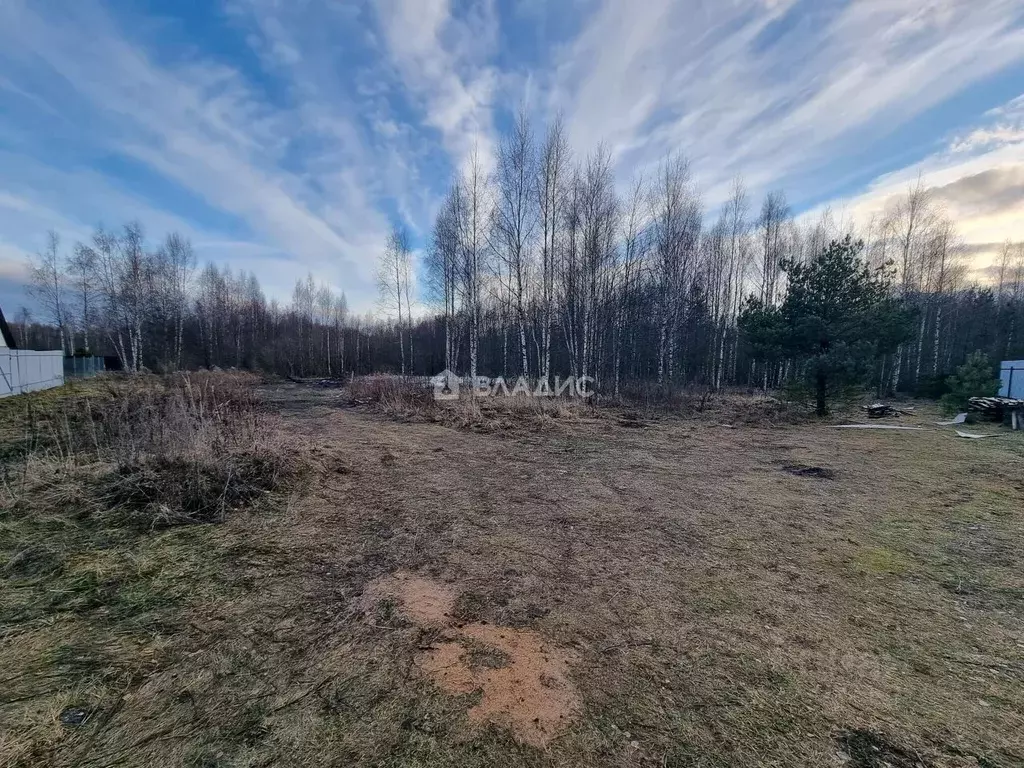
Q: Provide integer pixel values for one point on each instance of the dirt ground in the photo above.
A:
(595, 590)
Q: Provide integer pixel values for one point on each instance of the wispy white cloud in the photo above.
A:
(772, 90)
(13, 262)
(21, 215)
(1005, 127)
(345, 97)
(25, 221)
(443, 63)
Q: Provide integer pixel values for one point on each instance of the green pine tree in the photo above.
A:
(975, 378)
(837, 318)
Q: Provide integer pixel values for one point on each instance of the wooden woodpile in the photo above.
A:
(998, 408)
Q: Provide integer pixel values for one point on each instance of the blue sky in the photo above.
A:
(284, 136)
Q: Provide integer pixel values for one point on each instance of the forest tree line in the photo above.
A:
(544, 266)
(541, 266)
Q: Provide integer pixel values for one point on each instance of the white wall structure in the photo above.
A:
(26, 370)
(1012, 376)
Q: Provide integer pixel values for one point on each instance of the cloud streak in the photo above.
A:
(773, 90)
(201, 127)
(977, 178)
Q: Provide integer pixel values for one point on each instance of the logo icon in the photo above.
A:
(446, 385)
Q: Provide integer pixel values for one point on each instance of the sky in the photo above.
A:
(288, 136)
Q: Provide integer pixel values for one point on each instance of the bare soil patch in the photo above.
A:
(423, 601)
(527, 689)
(863, 748)
(522, 680)
(802, 470)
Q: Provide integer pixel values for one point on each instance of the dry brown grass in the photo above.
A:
(716, 609)
(91, 587)
(412, 400)
(162, 450)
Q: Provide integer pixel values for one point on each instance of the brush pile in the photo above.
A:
(884, 410)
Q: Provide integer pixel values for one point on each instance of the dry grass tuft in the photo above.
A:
(155, 451)
(510, 414)
(103, 484)
(730, 406)
(380, 389)
(203, 491)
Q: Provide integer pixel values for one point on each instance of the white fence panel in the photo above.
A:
(28, 370)
(6, 382)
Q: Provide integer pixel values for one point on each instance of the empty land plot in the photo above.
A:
(584, 589)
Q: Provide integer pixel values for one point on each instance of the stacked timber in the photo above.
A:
(995, 408)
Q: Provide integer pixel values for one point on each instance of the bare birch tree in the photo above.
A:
(628, 271)
(443, 267)
(771, 231)
(181, 262)
(325, 318)
(911, 220)
(124, 270)
(675, 235)
(946, 255)
(47, 285)
(393, 282)
(554, 159)
(339, 314)
(82, 270)
(736, 217)
(474, 258)
(515, 218)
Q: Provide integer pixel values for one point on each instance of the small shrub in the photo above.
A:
(975, 378)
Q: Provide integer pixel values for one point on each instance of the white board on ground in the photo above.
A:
(880, 426)
(972, 436)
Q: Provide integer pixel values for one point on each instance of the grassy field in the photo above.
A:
(214, 571)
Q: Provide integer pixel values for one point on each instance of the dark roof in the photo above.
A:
(8, 336)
